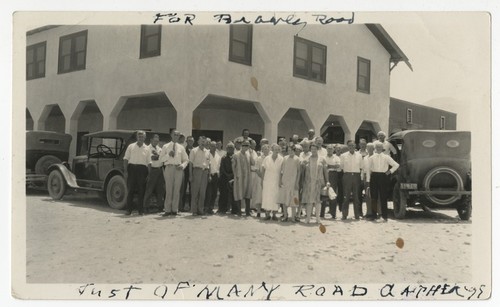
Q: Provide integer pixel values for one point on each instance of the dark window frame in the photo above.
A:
(409, 116)
(310, 45)
(247, 59)
(442, 123)
(36, 73)
(143, 54)
(73, 54)
(358, 75)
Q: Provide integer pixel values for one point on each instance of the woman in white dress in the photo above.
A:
(256, 201)
(289, 183)
(271, 172)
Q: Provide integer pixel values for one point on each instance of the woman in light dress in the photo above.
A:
(289, 183)
(271, 172)
(256, 201)
(315, 178)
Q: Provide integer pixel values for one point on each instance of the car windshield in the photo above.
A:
(105, 147)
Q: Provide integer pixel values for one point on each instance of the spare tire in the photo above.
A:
(42, 165)
(443, 178)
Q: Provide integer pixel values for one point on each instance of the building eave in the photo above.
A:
(397, 55)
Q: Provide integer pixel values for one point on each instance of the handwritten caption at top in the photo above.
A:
(225, 18)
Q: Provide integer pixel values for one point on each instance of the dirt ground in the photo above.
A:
(80, 239)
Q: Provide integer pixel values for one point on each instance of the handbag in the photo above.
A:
(328, 192)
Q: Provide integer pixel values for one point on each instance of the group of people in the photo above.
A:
(285, 177)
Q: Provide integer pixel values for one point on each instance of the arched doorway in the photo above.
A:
(295, 121)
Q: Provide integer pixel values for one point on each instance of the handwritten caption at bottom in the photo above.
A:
(265, 291)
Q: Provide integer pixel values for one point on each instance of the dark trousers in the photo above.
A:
(156, 185)
(340, 194)
(351, 183)
(238, 204)
(333, 178)
(211, 194)
(185, 196)
(225, 195)
(379, 186)
(361, 188)
(136, 182)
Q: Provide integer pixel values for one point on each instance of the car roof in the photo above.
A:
(125, 134)
(402, 134)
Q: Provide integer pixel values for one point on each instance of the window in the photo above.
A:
(105, 147)
(35, 61)
(240, 44)
(72, 52)
(150, 41)
(442, 123)
(363, 82)
(409, 116)
(309, 60)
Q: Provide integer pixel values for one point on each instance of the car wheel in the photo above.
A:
(399, 202)
(42, 165)
(56, 185)
(116, 192)
(464, 209)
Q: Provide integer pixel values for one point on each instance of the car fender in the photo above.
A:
(68, 176)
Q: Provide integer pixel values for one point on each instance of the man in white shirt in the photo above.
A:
(321, 150)
(213, 179)
(156, 182)
(378, 177)
(174, 158)
(352, 165)
(333, 166)
(136, 164)
(366, 185)
(388, 147)
(198, 175)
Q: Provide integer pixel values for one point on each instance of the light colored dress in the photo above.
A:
(256, 183)
(290, 168)
(271, 182)
(313, 180)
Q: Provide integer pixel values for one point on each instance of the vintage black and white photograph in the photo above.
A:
(263, 155)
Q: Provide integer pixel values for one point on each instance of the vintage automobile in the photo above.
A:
(99, 168)
(435, 170)
(44, 148)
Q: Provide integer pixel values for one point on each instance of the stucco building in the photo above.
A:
(212, 80)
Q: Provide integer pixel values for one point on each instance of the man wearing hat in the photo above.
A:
(388, 148)
(310, 135)
(226, 198)
(242, 187)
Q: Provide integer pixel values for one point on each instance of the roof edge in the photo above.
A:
(389, 44)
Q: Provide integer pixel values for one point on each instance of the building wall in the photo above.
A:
(156, 119)
(194, 63)
(424, 117)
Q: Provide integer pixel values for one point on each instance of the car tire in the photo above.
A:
(116, 192)
(42, 165)
(464, 209)
(399, 202)
(56, 185)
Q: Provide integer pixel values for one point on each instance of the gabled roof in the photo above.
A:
(397, 55)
